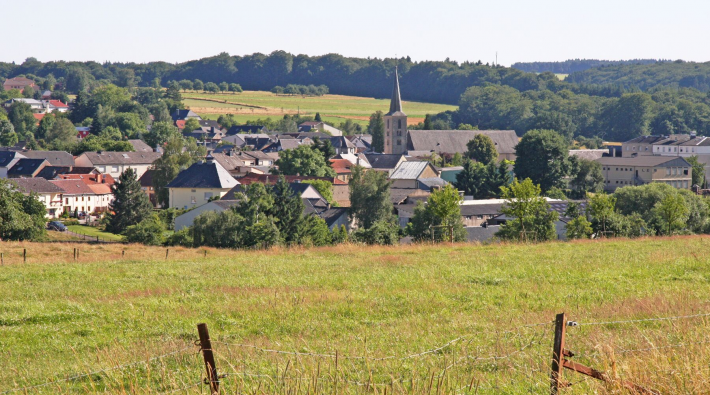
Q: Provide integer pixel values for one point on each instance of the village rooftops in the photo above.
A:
(409, 170)
(55, 158)
(140, 146)
(26, 167)
(453, 141)
(73, 187)
(643, 161)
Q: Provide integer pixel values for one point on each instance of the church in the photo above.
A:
(422, 143)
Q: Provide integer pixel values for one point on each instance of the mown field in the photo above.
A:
(251, 105)
(461, 319)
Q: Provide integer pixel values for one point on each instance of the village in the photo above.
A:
(238, 156)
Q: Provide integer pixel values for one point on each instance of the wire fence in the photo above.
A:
(491, 360)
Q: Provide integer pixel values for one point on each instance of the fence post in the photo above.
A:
(123, 253)
(24, 255)
(206, 348)
(2, 258)
(558, 354)
(167, 251)
(205, 253)
(97, 239)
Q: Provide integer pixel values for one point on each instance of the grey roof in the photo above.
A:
(383, 161)
(124, 158)
(481, 209)
(8, 156)
(225, 204)
(396, 101)
(297, 187)
(228, 161)
(204, 174)
(699, 141)
(331, 215)
(26, 167)
(453, 141)
(184, 114)
(51, 172)
(399, 195)
(647, 140)
(209, 123)
(246, 129)
(588, 154)
(290, 143)
(647, 160)
(38, 185)
(140, 146)
(409, 170)
(55, 158)
(432, 182)
(341, 142)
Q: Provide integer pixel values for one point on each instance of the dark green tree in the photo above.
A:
(376, 128)
(481, 149)
(20, 114)
(235, 88)
(531, 218)
(370, 197)
(8, 137)
(62, 135)
(21, 217)
(198, 85)
(698, 173)
(304, 160)
(325, 147)
(440, 219)
(173, 91)
(131, 205)
(586, 176)
(318, 118)
(288, 210)
(542, 157)
(223, 86)
(160, 133)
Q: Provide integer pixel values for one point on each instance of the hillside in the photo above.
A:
(251, 105)
(574, 65)
(415, 319)
(673, 74)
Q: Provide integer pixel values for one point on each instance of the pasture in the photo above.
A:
(251, 105)
(421, 319)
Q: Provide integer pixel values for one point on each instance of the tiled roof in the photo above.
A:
(452, 141)
(588, 154)
(409, 170)
(140, 146)
(100, 189)
(383, 161)
(229, 162)
(38, 185)
(26, 167)
(124, 158)
(209, 174)
(146, 179)
(58, 104)
(73, 187)
(55, 158)
(7, 156)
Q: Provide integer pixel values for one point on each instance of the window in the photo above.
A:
(102, 169)
(388, 124)
(685, 184)
(399, 142)
(193, 200)
(634, 148)
(675, 171)
(685, 171)
(67, 199)
(114, 169)
(668, 171)
(399, 133)
(399, 124)
(646, 149)
(208, 195)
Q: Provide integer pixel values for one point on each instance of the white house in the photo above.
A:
(115, 163)
(200, 183)
(48, 193)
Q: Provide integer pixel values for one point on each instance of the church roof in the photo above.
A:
(396, 102)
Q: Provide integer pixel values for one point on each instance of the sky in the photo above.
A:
(518, 30)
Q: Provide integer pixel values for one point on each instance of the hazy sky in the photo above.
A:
(519, 30)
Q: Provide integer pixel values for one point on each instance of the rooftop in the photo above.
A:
(204, 174)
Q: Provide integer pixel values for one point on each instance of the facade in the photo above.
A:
(408, 174)
(644, 145)
(421, 143)
(77, 196)
(395, 122)
(49, 194)
(115, 163)
(621, 172)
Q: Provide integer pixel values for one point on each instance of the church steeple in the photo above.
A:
(396, 102)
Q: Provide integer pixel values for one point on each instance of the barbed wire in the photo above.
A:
(680, 317)
(78, 376)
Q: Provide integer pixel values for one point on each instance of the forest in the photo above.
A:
(574, 65)
(677, 74)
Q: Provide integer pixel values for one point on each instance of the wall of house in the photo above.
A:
(628, 150)
(114, 170)
(341, 194)
(622, 176)
(395, 134)
(193, 197)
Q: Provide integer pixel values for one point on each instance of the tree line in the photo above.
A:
(573, 65)
(677, 74)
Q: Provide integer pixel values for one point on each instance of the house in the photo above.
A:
(257, 158)
(77, 195)
(54, 105)
(146, 181)
(449, 173)
(83, 132)
(19, 83)
(200, 183)
(103, 197)
(341, 190)
(7, 160)
(54, 158)
(644, 145)
(407, 174)
(182, 115)
(385, 163)
(248, 129)
(450, 142)
(312, 126)
(362, 142)
(431, 183)
(290, 143)
(400, 196)
(115, 163)
(355, 160)
(58, 172)
(343, 145)
(343, 169)
(205, 134)
(49, 194)
(46, 95)
(559, 206)
(26, 168)
(188, 219)
(589, 154)
(35, 105)
(209, 123)
(640, 170)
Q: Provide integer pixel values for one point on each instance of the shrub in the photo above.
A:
(149, 232)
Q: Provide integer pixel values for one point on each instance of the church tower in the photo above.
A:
(395, 122)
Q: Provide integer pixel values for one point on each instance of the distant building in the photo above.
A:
(19, 83)
(49, 194)
(200, 183)
(115, 163)
(395, 122)
(621, 172)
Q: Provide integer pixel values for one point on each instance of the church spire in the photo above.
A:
(396, 103)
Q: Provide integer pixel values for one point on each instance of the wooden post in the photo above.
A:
(97, 239)
(205, 253)
(74, 254)
(123, 253)
(167, 251)
(558, 354)
(24, 255)
(206, 348)
(2, 258)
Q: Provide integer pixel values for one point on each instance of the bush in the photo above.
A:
(182, 238)
(381, 232)
(149, 232)
(70, 221)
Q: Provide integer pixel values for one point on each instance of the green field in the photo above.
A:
(460, 319)
(251, 105)
(93, 232)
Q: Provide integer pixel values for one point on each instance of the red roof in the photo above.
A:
(271, 179)
(82, 134)
(58, 103)
(73, 187)
(38, 117)
(341, 165)
(90, 178)
(180, 123)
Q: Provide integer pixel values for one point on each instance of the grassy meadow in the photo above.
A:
(419, 319)
(251, 105)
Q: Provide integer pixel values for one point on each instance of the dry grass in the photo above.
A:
(96, 325)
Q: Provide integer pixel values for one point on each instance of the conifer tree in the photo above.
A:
(377, 129)
(130, 206)
(288, 209)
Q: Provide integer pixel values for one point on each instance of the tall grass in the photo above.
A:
(419, 319)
